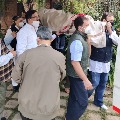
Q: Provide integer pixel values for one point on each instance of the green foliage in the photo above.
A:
(112, 67)
(1, 35)
(117, 23)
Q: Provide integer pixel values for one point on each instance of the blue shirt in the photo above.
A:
(76, 49)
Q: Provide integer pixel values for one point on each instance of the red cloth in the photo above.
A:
(81, 14)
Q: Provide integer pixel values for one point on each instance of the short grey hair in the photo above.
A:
(44, 33)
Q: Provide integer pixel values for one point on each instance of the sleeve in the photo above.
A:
(76, 49)
(8, 38)
(4, 59)
(115, 38)
(21, 42)
(18, 69)
(62, 68)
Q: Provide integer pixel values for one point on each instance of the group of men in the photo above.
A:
(39, 69)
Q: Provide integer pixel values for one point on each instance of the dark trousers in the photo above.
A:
(24, 118)
(99, 81)
(78, 99)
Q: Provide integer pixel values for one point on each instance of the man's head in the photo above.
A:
(32, 18)
(81, 23)
(108, 17)
(44, 34)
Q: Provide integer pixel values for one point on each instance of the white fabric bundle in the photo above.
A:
(96, 31)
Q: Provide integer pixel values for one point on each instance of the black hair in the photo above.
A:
(57, 5)
(29, 14)
(79, 21)
(105, 15)
(15, 18)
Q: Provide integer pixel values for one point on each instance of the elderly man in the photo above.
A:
(6, 66)
(39, 71)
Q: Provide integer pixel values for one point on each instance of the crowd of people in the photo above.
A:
(33, 59)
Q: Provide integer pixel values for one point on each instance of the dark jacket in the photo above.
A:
(103, 54)
(14, 41)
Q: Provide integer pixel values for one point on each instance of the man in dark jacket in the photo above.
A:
(100, 62)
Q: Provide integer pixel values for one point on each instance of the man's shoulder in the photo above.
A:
(24, 28)
(57, 53)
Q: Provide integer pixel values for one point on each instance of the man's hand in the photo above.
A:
(89, 40)
(13, 52)
(109, 27)
(87, 84)
(13, 34)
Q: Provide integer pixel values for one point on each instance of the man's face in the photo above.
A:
(35, 17)
(110, 19)
(84, 26)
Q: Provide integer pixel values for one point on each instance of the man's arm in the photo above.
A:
(18, 69)
(21, 42)
(78, 69)
(113, 34)
(115, 37)
(62, 68)
(4, 59)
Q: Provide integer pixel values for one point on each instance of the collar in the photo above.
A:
(84, 35)
(30, 26)
(44, 45)
(17, 27)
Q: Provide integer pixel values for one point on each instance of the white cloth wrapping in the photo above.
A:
(99, 41)
(96, 32)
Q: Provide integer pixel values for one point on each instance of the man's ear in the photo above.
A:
(79, 28)
(104, 20)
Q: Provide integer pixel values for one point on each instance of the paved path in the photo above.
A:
(92, 112)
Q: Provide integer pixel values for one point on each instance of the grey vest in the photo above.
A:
(84, 60)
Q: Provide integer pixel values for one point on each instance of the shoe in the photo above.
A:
(3, 118)
(16, 88)
(104, 107)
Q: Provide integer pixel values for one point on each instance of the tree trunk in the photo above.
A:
(10, 10)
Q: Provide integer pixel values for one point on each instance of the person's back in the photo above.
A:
(40, 70)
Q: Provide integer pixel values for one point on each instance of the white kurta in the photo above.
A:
(26, 39)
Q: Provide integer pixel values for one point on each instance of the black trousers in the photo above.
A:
(24, 118)
(78, 99)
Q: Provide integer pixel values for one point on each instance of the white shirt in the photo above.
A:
(8, 38)
(76, 50)
(26, 39)
(101, 67)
